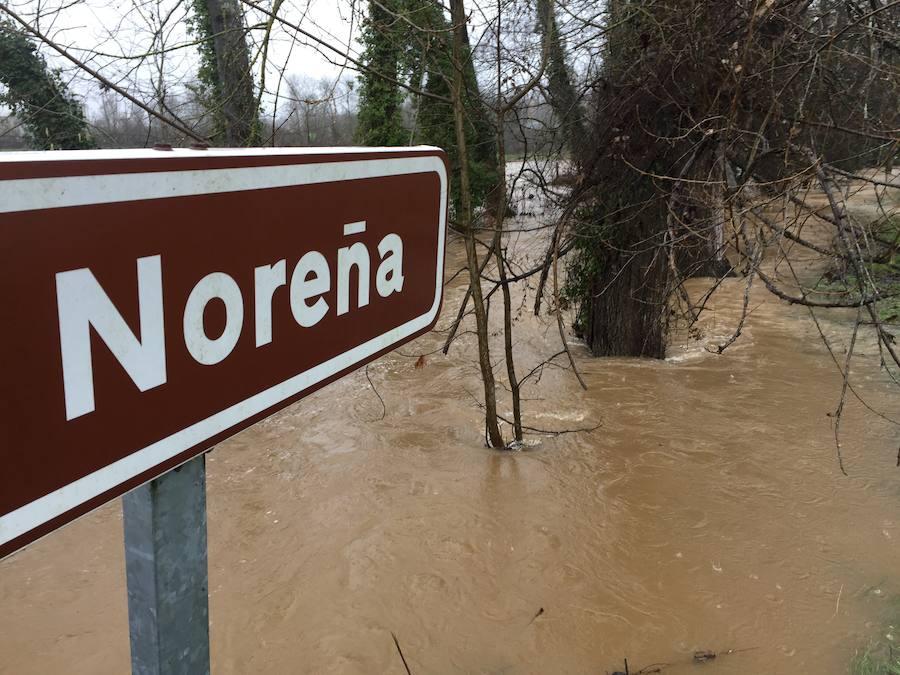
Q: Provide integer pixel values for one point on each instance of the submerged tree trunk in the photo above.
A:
(464, 218)
(623, 269)
(234, 93)
(655, 211)
(627, 308)
(500, 259)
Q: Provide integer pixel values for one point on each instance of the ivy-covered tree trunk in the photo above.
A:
(627, 313)
(625, 305)
(410, 41)
(225, 70)
(656, 213)
(620, 273)
(379, 119)
(459, 51)
(52, 117)
(482, 150)
(436, 117)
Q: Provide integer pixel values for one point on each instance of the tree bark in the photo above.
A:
(625, 302)
(628, 308)
(458, 18)
(237, 103)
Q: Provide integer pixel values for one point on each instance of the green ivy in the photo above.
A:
(399, 49)
(209, 87)
(379, 120)
(436, 124)
(52, 117)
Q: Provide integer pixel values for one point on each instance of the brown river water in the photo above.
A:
(707, 512)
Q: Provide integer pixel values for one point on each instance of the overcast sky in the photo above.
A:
(139, 43)
(132, 42)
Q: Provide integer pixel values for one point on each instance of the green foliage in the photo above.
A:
(876, 660)
(600, 235)
(436, 126)
(583, 266)
(227, 95)
(52, 117)
(199, 26)
(881, 657)
(416, 49)
(884, 273)
(379, 120)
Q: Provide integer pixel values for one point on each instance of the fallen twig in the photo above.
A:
(552, 432)
(400, 652)
(537, 614)
(837, 605)
(699, 656)
(381, 400)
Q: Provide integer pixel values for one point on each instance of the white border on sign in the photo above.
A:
(44, 193)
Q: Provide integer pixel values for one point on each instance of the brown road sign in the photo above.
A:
(155, 303)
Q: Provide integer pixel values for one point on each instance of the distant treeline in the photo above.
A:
(312, 114)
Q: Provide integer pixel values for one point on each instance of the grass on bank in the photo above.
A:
(885, 274)
(882, 657)
(877, 660)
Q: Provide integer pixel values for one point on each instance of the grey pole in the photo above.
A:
(165, 562)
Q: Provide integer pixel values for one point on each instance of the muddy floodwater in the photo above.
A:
(706, 512)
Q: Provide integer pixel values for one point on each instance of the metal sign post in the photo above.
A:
(165, 562)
